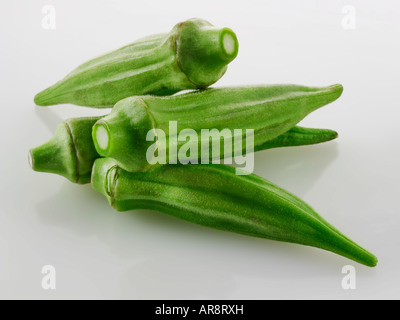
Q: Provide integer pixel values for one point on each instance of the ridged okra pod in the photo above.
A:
(269, 110)
(194, 54)
(214, 196)
(71, 152)
(299, 136)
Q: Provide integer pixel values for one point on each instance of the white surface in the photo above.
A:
(353, 182)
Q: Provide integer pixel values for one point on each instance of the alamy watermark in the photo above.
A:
(49, 278)
(49, 17)
(204, 147)
(349, 17)
(349, 280)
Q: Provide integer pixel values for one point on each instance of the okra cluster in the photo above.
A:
(141, 83)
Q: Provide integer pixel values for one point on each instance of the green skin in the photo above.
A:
(71, 151)
(298, 136)
(195, 54)
(269, 110)
(214, 196)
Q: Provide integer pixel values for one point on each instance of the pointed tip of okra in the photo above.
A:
(336, 242)
(367, 258)
(338, 88)
(317, 97)
(333, 135)
(373, 261)
(314, 135)
(328, 135)
(49, 96)
(336, 91)
(362, 256)
(41, 100)
(329, 94)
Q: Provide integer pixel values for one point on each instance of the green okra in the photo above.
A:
(269, 110)
(71, 152)
(299, 136)
(194, 54)
(214, 196)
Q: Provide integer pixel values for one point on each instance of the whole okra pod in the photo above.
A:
(194, 54)
(269, 110)
(71, 153)
(214, 196)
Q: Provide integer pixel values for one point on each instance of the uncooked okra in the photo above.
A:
(214, 196)
(299, 136)
(269, 110)
(194, 54)
(71, 153)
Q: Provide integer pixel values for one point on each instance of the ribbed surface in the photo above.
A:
(115, 77)
(148, 66)
(214, 196)
(269, 110)
(299, 136)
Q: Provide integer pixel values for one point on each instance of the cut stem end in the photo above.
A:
(229, 44)
(101, 138)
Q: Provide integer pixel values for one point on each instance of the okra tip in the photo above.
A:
(334, 91)
(361, 255)
(299, 136)
(45, 98)
(335, 241)
(373, 261)
(337, 88)
(37, 99)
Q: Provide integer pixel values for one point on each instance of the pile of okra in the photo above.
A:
(149, 151)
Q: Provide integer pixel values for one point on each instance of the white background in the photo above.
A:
(353, 182)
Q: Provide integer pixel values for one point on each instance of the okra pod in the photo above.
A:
(214, 196)
(71, 153)
(269, 110)
(299, 136)
(194, 54)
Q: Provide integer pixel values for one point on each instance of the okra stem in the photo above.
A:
(205, 51)
(70, 152)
